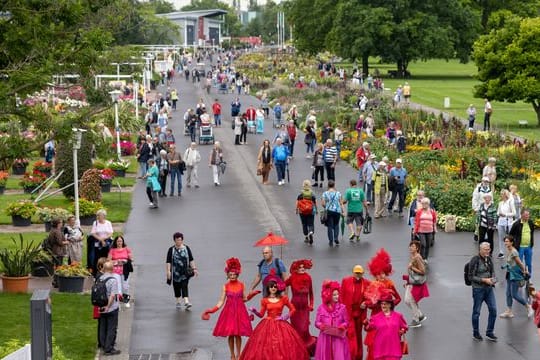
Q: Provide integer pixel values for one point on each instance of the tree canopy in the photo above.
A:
(232, 26)
(508, 60)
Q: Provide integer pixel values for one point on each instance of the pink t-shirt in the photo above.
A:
(426, 222)
(120, 254)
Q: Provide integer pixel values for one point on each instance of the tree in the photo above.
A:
(232, 25)
(508, 60)
(265, 23)
(522, 8)
(64, 161)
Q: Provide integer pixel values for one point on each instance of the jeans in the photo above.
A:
(175, 174)
(192, 133)
(425, 240)
(307, 223)
(487, 117)
(291, 147)
(310, 147)
(144, 167)
(369, 192)
(332, 227)
(217, 119)
(108, 324)
(280, 169)
(480, 295)
(399, 190)
(471, 121)
(525, 254)
(512, 292)
(338, 148)
(502, 230)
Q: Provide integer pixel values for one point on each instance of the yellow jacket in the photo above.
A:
(380, 176)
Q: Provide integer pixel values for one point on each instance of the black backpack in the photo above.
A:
(99, 292)
(466, 270)
(46, 245)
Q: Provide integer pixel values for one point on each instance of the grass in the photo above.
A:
(118, 205)
(434, 80)
(74, 330)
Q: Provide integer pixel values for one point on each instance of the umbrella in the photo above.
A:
(342, 225)
(272, 240)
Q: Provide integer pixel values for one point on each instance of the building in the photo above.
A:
(199, 27)
(239, 5)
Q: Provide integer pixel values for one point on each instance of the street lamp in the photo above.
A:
(115, 95)
(77, 137)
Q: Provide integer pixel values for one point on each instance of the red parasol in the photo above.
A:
(272, 240)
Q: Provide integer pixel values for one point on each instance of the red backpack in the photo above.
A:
(305, 206)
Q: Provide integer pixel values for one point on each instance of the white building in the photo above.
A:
(242, 4)
(199, 27)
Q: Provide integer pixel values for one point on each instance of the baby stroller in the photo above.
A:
(252, 129)
(223, 88)
(206, 133)
(186, 128)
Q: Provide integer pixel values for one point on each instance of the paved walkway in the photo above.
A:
(219, 222)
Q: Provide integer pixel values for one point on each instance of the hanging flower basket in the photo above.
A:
(18, 220)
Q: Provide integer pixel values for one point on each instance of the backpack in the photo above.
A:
(305, 206)
(277, 112)
(467, 269)
(99, 292)
(401, 144)
(276, 264)
(46, 245)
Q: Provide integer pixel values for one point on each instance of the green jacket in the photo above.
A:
(491, 216)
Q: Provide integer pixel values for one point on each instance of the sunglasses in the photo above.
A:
(273, 287)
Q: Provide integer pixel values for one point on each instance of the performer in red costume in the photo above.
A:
(353, 289)
(274, 338)
(233, 321)
(380, 266)
(302, 299)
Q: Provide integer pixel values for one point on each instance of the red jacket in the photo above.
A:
(347, 295)
(216, 108)
(251, 113)
(361, 157)
(292, 132)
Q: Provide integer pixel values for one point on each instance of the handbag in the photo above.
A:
(416, 279)
(190, 272)
(404, 346)
(259, 171)
(324, 217)
(368, 222)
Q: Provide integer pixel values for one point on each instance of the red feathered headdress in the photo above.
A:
(328, 288)
(273, 277)
(233, 265)
(381, 263)
(308, 264)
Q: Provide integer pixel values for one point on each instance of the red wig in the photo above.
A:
(308, 264)
(381, 263)
(233, 265)
(328, 288)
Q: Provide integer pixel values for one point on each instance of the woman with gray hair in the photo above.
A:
(216, 157)
(506, 212)
(486, 218)
(163, 167)
(99, 240)
(152, 184)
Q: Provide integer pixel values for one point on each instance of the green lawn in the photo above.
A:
(434, 80)
(118, 205)
(73, 327)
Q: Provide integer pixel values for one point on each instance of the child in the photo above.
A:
(535, 295)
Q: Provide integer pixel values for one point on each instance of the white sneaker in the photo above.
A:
(127, 305)
(530, 312)
(506, 315)
(151, 204)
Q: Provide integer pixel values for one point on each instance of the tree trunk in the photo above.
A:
(365, 64)
(536, 106)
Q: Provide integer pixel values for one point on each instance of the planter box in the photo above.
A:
(15, 284)
(105, 187)
(42, 269)
(18, 169)
(20, 221)
(120, 173)
(29, 190)
(87, 220)
(72, 284)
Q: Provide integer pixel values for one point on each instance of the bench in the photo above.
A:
(523, 123)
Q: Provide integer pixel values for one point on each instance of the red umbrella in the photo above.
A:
(271, 240)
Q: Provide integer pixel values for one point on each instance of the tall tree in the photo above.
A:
(523, 8)
(508, 60)
(265, 23)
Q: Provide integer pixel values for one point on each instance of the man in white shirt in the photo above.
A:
(192, 158)
(487, 114)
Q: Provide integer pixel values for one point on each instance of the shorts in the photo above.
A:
(355, 217)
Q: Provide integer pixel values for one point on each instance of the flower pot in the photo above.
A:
(29, 189)
(87, 220)
(2, 188)
(15, 284)
(48, 226)
(71, 284)
(106, 187)
(18, 220)
(18, 169)
(47, 173)
(120, 173)
(42, 268)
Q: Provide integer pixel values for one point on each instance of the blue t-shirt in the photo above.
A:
(400, 174)
(332, 201)
(280, 153)
(264, 267)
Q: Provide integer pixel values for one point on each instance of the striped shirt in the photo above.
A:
(330, 154)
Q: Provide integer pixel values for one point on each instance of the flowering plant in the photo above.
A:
(22, 208)
(20, 162)
(73, 270)
(3, 177)
(118, 165)
(125, 136)
(106, 175)
(87, 207)
(127, 148)
(32, 180)
(42, 166)
(46, 214)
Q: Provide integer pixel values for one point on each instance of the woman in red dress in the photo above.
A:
(274, 338)
(380, 266)
(233, 321)
(302, 299)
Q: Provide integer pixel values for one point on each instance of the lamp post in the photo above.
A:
(115, 95)
(77, 137)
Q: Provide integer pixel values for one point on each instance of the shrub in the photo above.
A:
(47, 214)
(42, 166)
(64, 161)
(22, 208)
(32, 180)
(90, 185)
(4, 175)
(87, 207)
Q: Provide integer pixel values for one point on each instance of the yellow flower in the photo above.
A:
(345, 154)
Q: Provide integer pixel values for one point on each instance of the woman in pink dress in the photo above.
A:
(333, 321)
(302, 299)
(388, 326)
(233, 321)
(120, 255)
(274, 338)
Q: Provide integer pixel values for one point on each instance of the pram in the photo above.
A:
(206, 133)
(252, 129)
(186, 128)
(223, 88)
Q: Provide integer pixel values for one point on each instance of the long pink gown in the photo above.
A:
(332, 346)
(387, 338)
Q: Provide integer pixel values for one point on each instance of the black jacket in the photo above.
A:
(516, 229)
(144, 153)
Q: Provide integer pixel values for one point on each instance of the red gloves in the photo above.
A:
(252, 294)
(310, 307)
(206, 314)
(254, 311)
